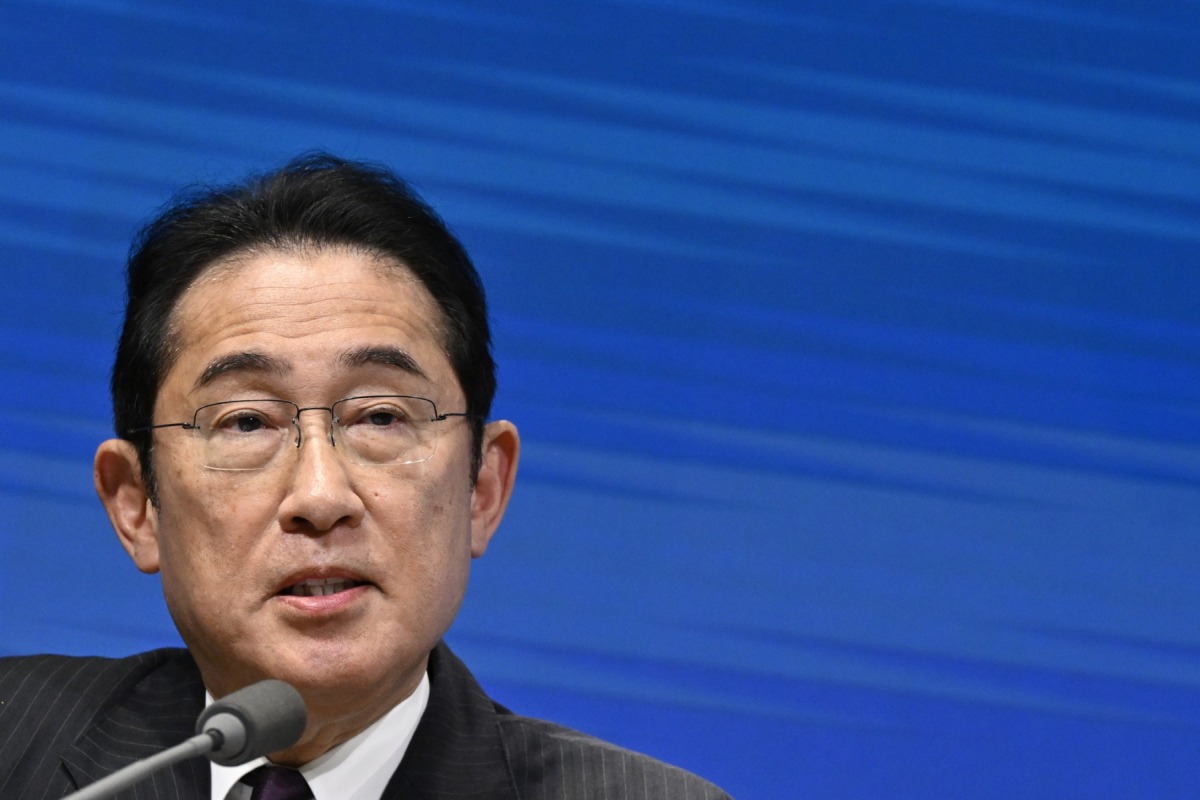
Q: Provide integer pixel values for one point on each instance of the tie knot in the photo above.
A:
(277, 783)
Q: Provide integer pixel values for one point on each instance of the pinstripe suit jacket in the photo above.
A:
(66, 722)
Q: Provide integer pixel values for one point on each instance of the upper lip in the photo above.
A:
(319, 573)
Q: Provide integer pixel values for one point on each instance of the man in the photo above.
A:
(301, 392)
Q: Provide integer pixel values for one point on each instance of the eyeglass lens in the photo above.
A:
(250, 434)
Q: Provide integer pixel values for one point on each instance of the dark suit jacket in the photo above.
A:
(67, 722)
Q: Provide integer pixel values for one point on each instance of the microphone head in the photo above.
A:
(262, 718)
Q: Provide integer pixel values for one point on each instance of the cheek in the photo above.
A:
(430, 531)
(208, 521)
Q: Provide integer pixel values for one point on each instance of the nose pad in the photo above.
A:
(328, 429)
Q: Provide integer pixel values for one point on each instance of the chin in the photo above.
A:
(347, 671)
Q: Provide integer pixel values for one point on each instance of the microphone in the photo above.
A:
(262, 718)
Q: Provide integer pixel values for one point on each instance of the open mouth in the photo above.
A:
(317, 587)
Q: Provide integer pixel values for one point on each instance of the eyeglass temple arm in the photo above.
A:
(185, 425)
(440, 417)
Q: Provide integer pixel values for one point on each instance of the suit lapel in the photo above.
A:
(156, 712)
(456, 750)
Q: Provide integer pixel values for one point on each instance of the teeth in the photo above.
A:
(315, 587)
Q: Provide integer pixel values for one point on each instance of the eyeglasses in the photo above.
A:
(372, 430)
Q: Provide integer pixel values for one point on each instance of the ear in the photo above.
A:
(118, 477)
(493, 487)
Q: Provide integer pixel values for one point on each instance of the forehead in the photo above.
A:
(304, 309)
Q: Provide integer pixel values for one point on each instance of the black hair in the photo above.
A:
(314, 200)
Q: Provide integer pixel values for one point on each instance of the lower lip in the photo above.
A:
(323, 603)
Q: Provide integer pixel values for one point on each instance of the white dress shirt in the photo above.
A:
(357, 769)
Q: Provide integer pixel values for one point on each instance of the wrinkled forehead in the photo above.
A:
(263, 282)
(380, 264)
(228, 269)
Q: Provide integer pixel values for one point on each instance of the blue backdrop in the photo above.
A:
(855, 346)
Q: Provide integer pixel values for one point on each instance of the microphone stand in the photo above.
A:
(109, 785)
(261, 718)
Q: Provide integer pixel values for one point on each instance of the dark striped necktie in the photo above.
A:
(277, 783)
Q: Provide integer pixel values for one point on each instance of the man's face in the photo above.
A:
(313, 327)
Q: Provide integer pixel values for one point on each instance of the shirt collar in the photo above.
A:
(359, 767)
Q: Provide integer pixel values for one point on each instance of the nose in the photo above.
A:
(321, 495)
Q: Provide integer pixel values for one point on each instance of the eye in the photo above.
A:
(381, 418)
(243, 422)
(247, 423)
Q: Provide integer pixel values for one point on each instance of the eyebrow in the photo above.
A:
(385, 355)
(253, 362)
(241, 362)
